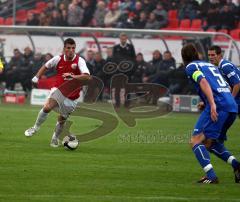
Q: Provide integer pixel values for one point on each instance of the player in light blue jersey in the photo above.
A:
(218, 115)
(228, 70)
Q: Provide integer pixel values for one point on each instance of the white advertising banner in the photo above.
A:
(39, 96)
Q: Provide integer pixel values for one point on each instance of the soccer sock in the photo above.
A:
(58, 129)
(220, 151)
(42, 116)
(203, 158)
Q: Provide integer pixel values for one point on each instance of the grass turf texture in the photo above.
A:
(150, 162)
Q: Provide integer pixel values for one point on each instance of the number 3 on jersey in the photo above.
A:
(220, 79)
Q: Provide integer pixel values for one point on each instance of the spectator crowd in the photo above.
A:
(139, 14)
(161, 69)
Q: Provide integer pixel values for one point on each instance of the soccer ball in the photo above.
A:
(70, 142)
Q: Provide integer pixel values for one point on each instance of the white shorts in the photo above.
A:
(65, 105)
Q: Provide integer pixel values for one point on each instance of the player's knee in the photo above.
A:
(195, 140)
(47, 108)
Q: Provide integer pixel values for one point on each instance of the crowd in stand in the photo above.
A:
(161, 69)
(142, 14)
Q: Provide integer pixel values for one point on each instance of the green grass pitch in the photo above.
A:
(149, 162)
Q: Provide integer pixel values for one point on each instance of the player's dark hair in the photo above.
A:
(217, 49)
(69, 41)
(189, 53)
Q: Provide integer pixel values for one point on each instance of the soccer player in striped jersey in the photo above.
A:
(71, 72)
(218, 115)
(228, 70)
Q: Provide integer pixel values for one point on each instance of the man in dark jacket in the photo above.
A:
(124, 55)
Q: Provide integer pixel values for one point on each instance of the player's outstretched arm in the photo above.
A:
(206, 89)
(41, 72)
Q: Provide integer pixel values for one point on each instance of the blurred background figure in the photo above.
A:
(13, 69)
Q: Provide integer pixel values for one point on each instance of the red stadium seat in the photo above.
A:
(21, 12)
(21, 15)
(41, 5)
(34, 11)
(8, 21)
(185, 24)
(1, 21)
(196, 25)
(172, 24)
(172, 14)
(235, 34)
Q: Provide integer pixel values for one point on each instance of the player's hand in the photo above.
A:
(201, 106)
(68, 76)
(214, 114)
(35, 80)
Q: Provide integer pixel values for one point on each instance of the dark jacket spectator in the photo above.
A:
(56, 18)
(90, 60)
(150, 72)
(138, 9)
(64, 18)
(13, 69)
(124, 50)
(166, 66)
(32, 19)
(152, 22)
(38, 61)
(109, 61)
(227, 18)
(178, 81)
(88, 11)
(148, 6)
(141, 66)
(161, 15)
(25, 74)
(124, 55)
(141, 22)
(212, 19)
(188, 9)
(99, 63)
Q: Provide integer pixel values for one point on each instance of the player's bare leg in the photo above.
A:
(58, 130)
(42, 116)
